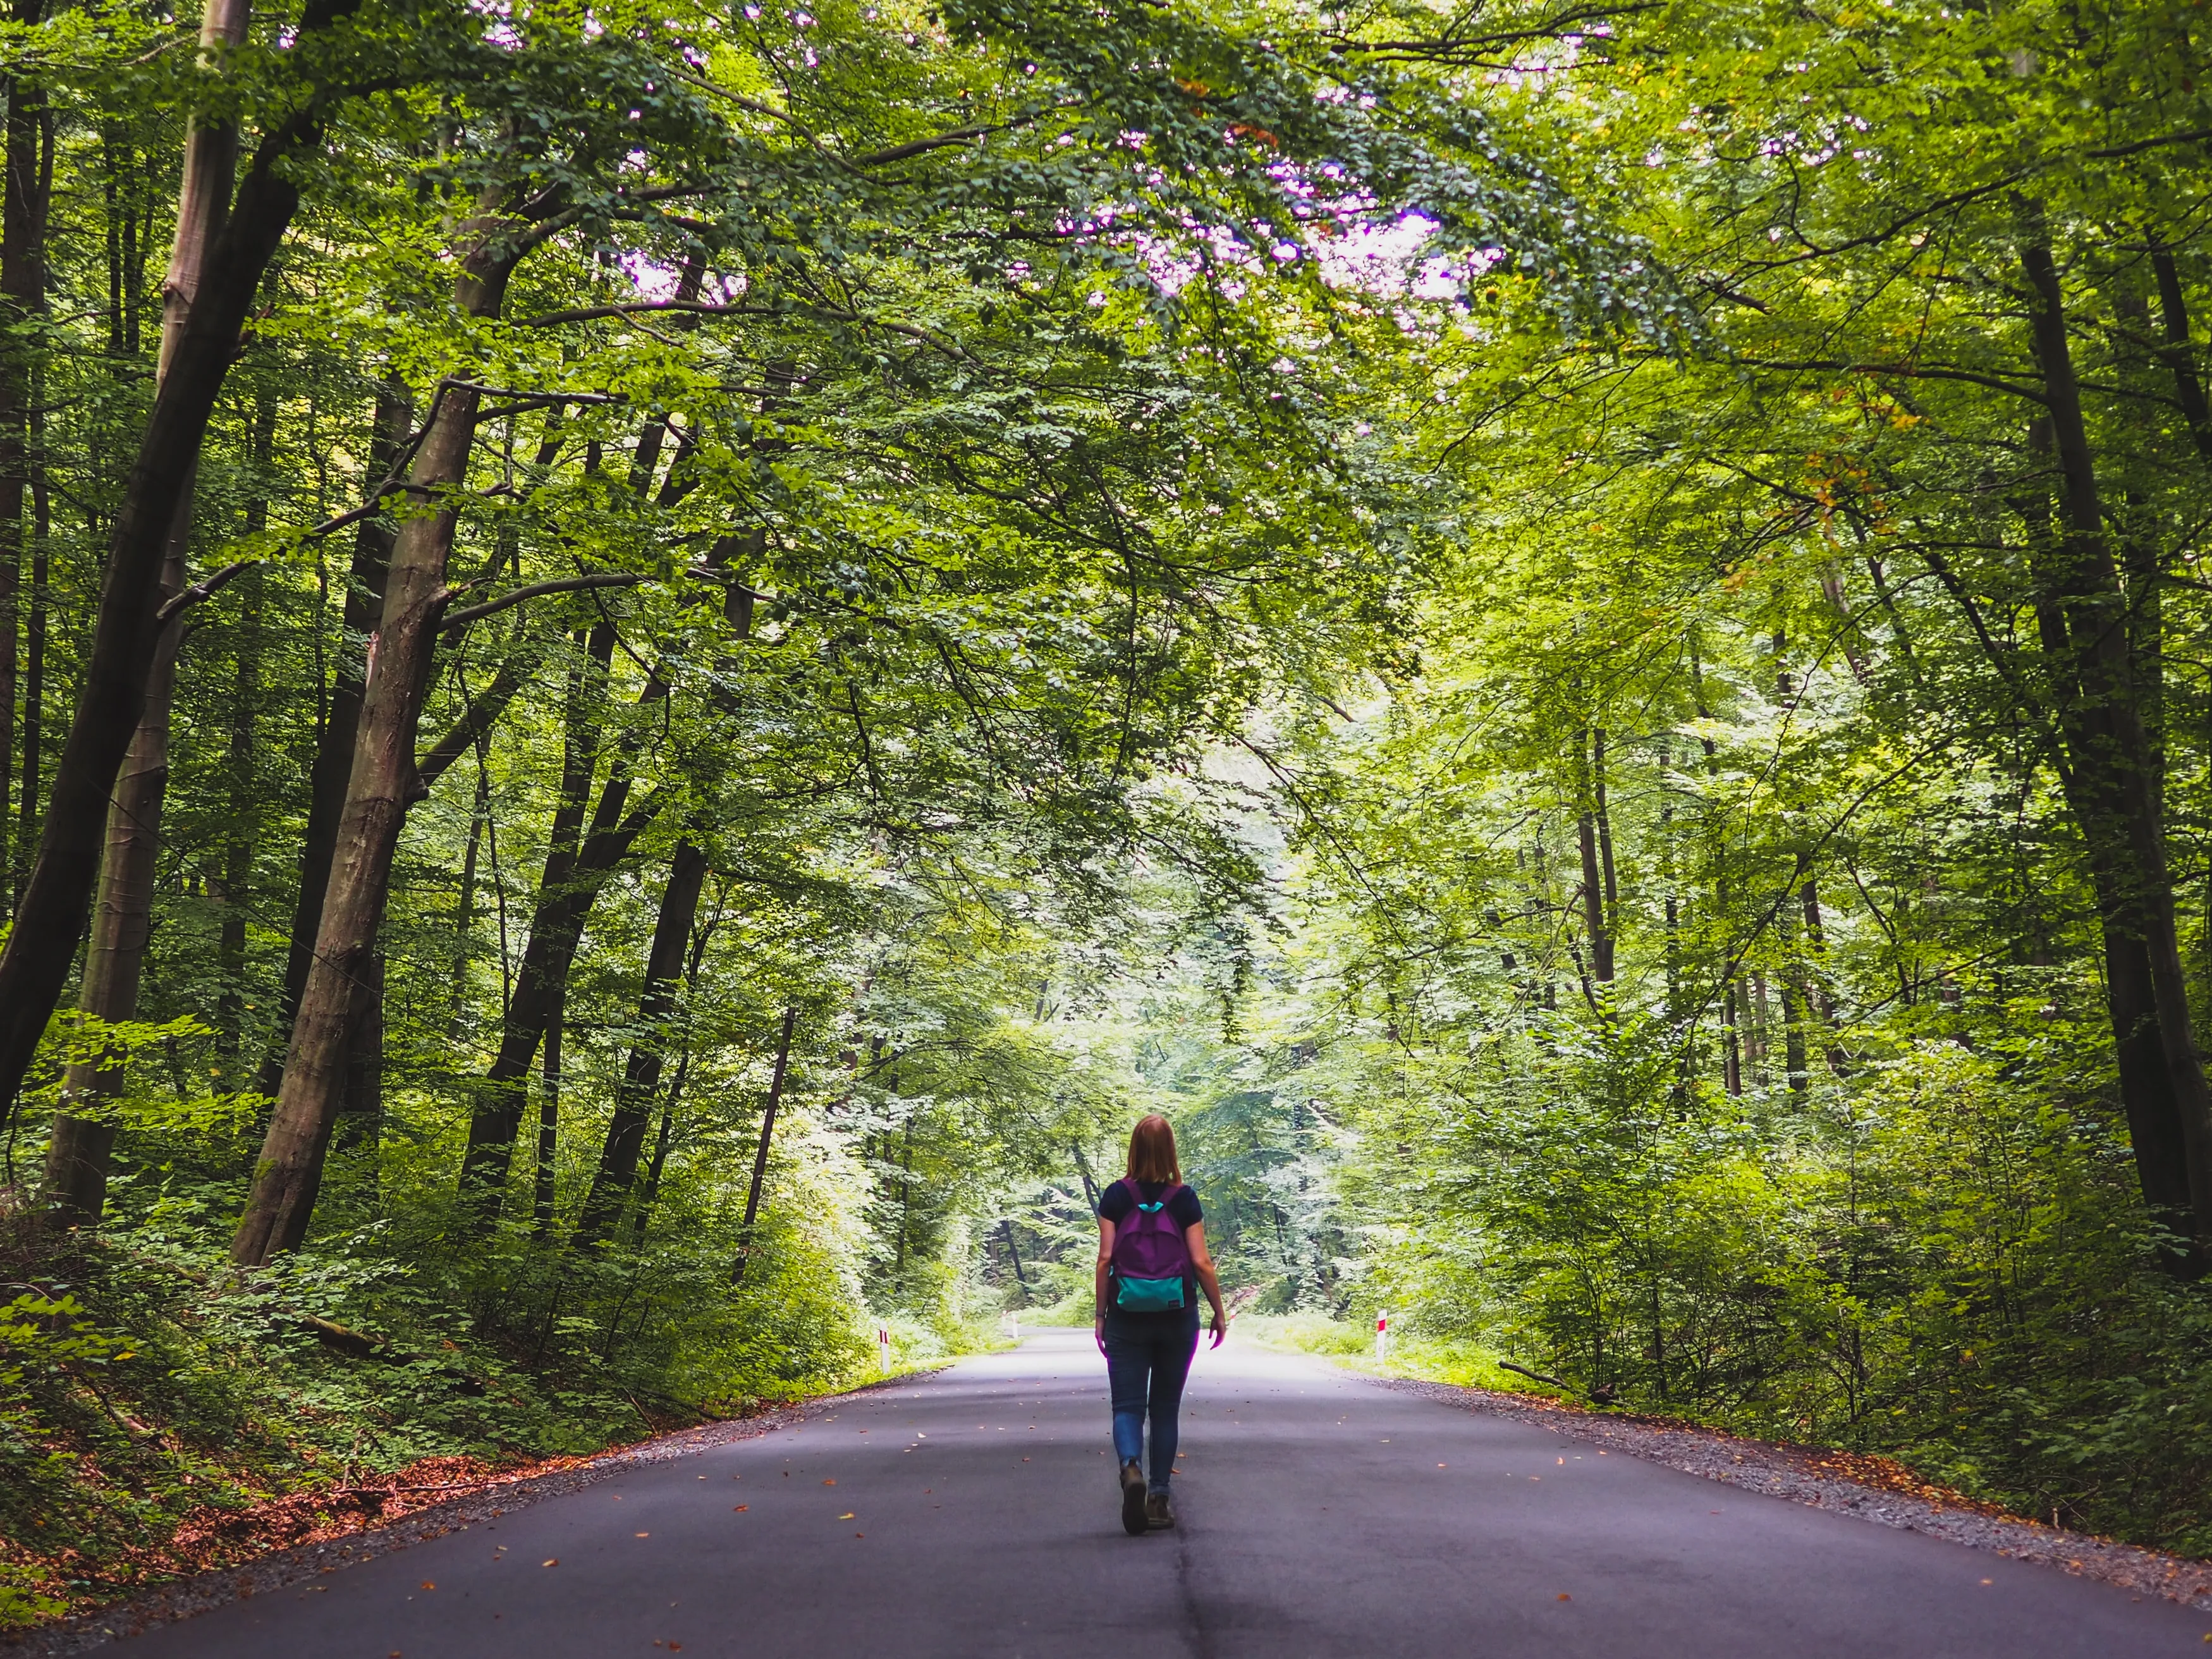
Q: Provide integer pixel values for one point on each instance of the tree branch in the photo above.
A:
(563, 585)
(206, 589)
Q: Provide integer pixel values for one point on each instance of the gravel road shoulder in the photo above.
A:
(1872, 1488)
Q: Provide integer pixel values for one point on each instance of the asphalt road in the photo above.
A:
(974, 1513)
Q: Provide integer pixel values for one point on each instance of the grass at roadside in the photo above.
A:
(1432, 1359)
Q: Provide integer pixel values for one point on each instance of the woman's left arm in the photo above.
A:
(1098, 1283)
(1201, 1263)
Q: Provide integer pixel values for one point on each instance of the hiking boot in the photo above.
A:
(1134, 1520)
(1159, 1514)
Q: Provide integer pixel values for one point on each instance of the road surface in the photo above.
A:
(975, 1513)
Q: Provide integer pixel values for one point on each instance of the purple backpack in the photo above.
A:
(1151, 1261)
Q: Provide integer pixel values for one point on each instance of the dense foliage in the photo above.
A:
(1571, 631)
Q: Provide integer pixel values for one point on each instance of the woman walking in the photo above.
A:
(1152, 1263)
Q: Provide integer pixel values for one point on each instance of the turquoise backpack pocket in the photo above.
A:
(1149, 1295)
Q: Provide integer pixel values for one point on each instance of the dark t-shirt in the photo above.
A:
(1115, 1205)
(1183, 1208)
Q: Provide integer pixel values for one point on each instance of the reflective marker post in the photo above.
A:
(1383, 1337)
(884, 1345)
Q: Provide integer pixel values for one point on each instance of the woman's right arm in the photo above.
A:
(1098, 1283)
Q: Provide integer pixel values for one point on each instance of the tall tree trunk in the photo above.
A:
(122, 921)
(378, 791)
(536, 1005)
(1731, 1040)
(767, 1136)
(656, 1004)
(1793, 1004)
(2111, 779)
(50, 918)
(1597, 884)
(334, 744)
(2180, 359)
(465, 913)
(22, 297)
(243, 830)
(37, 606)
(549, 1125)
(361, 1105)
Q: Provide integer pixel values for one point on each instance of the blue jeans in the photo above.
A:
(1147, 1358)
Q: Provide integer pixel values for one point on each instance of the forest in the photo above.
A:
(657, 661)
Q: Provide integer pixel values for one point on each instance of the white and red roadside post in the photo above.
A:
(884, 1346)
(1383, 1337)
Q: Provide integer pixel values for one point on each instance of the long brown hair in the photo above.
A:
(1152, 1151)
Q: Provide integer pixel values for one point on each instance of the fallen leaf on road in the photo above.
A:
(555, 1562)
(426, 1584)
(642, 1534)
(828, 1483)
(741, 1508)
(1564, 1597)
(847, 1516)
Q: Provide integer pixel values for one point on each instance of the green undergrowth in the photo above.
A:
(1430, 1358)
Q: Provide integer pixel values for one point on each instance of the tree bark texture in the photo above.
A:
(556, 926)
(378, 791)
(23, 201)
(2110, 779)
(51, 917)
(122, 921)
(334, 746)
(382, 783)
(1597, 882)
(767, 1137)
(633, 1113)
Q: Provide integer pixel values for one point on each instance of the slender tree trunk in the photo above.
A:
(38, 603)
(465, 915)
(1793, 1005)
(549, 1126)
(334, 744)
(361, 1110)
(243, 828)
(1599, 784)
(1083, 1169)
(2111, 781)
(2180, 360)
(767, 1134)
(1731, 1041)
(122, 922)
(382, 784)
(51, 917)
(555, 929)
(22, 297)
(1596, 884)
(656, 1006)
